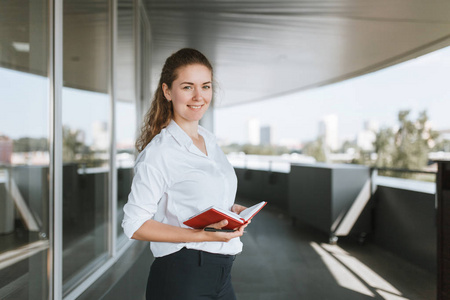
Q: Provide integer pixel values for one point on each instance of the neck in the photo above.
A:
(191, 128)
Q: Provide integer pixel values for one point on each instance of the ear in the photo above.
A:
(166, 92)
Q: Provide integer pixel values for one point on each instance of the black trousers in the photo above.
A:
(191, 275)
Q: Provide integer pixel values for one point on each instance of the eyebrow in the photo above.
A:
(186, 82)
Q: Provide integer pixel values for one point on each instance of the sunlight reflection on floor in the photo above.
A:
(341, 274)
(352, 274)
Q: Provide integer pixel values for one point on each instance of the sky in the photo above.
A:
(25, 109)
(419, 84)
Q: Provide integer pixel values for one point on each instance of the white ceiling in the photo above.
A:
(262, 49)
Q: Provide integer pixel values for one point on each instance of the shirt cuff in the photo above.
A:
(129, 228)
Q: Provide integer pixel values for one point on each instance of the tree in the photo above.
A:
(316, 149)
(71, 144)
(407, 147)
(28, 144)
(384, 147)
(263, 150)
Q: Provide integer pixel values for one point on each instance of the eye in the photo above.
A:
(187, 87)
(206, 87)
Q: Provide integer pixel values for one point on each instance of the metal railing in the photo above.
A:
(414, 174)
(283, 164)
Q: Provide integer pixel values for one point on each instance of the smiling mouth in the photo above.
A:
(195, 106)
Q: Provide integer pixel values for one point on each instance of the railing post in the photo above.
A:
(373, 183)
(443, 230)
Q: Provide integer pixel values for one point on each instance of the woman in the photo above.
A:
(179, 172)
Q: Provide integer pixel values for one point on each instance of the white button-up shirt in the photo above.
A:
(174, 180)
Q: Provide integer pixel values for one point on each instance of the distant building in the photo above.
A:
(328, 129)
(253, 131)
(367, 137)
(100, 136)
(6, 149)
(371, 125)
(291, 143)
(81, 136)
(365, 140)
(126, 144)
(266, 135)
(33, 158)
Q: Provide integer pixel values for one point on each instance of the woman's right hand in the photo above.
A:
(220, 236)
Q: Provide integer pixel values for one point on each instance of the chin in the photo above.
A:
(196, 117)
(193, 119)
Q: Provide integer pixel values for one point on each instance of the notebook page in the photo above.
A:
(249, 212)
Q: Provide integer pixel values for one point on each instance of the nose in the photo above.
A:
(198, 95)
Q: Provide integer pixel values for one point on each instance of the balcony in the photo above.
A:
(336, 232)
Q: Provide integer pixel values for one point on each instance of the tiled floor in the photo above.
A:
(281, 261)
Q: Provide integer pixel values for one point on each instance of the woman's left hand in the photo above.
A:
(236, 208)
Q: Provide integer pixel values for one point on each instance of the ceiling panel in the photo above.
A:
(262, 49)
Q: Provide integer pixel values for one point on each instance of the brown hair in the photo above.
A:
(161, 111)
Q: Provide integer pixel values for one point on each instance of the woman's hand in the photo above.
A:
(220, 236)
(155, 231)
(236, 208)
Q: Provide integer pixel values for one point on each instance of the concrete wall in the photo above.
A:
(320, 195)
(263, 186)
(405, 224)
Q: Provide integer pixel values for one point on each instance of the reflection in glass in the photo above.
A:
(24, 150)
(86, 130)
(125, 117)
(125, 107)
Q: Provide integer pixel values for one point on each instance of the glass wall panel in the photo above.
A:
(125, 107)
(24, 150)
(86, 130)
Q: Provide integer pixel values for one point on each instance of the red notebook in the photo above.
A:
(214, 214)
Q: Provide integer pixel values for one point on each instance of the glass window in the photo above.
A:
(125, 107)
(24, 150)
(86, 110)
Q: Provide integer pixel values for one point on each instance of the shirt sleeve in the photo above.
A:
(147, 188)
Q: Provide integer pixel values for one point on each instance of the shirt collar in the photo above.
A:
(207, 135)
(178, 134)
(183, 138)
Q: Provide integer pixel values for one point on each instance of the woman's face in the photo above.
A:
(191, 93)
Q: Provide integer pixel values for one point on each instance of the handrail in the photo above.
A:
(401, 170)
